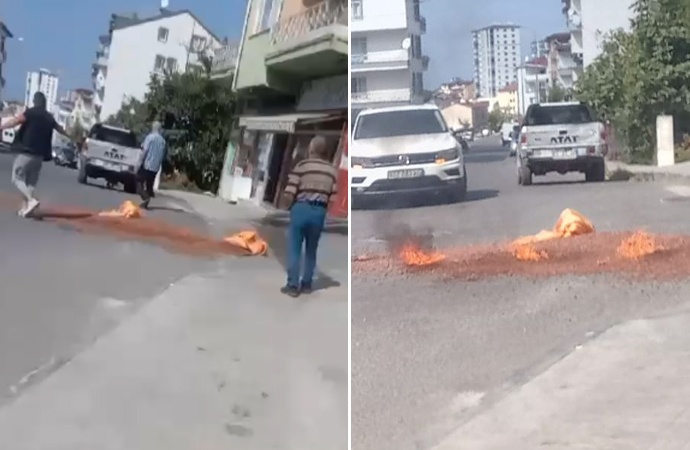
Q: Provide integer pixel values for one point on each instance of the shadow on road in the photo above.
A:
(486, 157)
(424, 201)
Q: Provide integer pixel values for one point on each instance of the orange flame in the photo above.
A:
(412, 255)
(527, 252)
(638, 246)
(128, 210)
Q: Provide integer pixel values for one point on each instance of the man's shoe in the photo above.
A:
(31, 207)
(144, 204)
(306, 288)
(292, 291)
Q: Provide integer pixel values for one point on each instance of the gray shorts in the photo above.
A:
(27, 169)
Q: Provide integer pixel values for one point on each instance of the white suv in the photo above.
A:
(405, 150)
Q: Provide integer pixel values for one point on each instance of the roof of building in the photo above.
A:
(6, 30)
(495, 26)
(512, 87)
(560, 37)
(119, 22)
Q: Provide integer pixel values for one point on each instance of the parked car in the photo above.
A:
(65, 156)
(514, 140)
(110, 153)
(561, 137)
(405, 150)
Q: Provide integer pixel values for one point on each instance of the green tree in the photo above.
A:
(642, 74)
(498, 117)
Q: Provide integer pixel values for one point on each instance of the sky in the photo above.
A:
(448, 41)
(62, 35)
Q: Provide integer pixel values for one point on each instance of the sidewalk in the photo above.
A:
(217, 210)
(652, 173)
(219, 361)
(626, 389)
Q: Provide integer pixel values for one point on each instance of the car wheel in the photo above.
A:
(596, 173)
(460, 195)
(524, 176)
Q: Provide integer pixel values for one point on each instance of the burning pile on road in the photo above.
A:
(572, 247)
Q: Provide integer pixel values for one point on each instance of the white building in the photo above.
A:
(136, 48)
(42, 81)
(496, 57)
(533, 83)
(590, 20)
(563, 67)
(4, 35)
(387, 62)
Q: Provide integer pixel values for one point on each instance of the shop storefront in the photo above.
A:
(270, 146)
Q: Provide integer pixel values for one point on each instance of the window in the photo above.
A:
(359, 46)
(159, 64)
(113, 135)
(171, 65)
(359, 85)
(357, 10)
(163, 34)
(198, 43)
(268, 15)
(400, 123)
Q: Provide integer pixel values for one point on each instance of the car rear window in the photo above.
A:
(407, 122)
(558, 115)
(112, 136)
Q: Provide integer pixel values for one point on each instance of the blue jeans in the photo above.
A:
(306, 224)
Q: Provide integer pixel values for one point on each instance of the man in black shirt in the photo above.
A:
(34, 143)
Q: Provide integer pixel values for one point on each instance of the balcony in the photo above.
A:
(224, 61)
(313, 43)
(422, 25)
(381, 96)
(383, 60)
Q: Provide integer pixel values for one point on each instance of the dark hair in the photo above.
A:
(40, 100)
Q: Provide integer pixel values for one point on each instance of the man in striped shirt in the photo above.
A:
(311, 187)
(154, 147)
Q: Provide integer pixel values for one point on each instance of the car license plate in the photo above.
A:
(405, 174)
(564, 154)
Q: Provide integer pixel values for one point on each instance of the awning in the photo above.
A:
(285, 123)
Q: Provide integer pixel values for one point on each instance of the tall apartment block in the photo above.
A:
(496, 57)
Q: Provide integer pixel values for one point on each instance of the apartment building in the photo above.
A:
(538, 48)
(533, 82)
(496, 57)
(388, 62)
(136, 48)
(42, 80)
(590, 20)
(563, 68)
(4, 35)
(290, 75)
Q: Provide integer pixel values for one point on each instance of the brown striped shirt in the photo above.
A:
(312, 180)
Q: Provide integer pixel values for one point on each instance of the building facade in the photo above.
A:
(290, 75)
(563, 68)
(533, 83)
(507, 99)
(388, 62)
(589, 21)
(44, 81)
(5, 34)
(538, 48)
(171, 41)
(496, 57)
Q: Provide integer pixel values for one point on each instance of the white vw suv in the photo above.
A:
(405, 150)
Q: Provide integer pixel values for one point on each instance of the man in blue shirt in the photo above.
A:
(154, 147)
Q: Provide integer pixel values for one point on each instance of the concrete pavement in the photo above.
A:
(429, 355)
(220, 360)
(626, 389)
(112, 343)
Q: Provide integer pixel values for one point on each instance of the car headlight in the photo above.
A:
(357, 162)
(447, 155)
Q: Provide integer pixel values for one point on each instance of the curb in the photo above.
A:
(647, 175)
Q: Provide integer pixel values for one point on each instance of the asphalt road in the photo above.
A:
(61, 289)
(429, 355)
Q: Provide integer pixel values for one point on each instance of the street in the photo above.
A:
(429, 355)
(81, 310)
